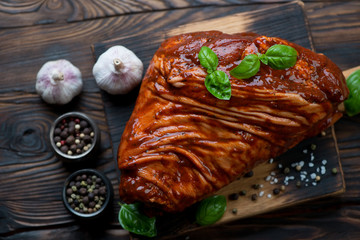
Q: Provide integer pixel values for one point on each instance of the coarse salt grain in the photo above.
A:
(271, 160)
(312, 157)
(323, 170)
(314, 183)
(311, 164)
(324, 162)
(305, 151)
(269, 195)
(301, 163)
(268, 178)
(313, 175)
(280, 165)
(261, 193)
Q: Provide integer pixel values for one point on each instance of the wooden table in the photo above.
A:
(34, 32)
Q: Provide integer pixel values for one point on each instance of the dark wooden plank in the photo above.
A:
(20, 14)
(31, 176)
(335, 27)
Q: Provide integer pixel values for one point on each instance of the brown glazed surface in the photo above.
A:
(181, 144)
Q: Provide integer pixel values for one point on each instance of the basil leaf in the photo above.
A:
(352, 104)
(247, 68)
(131, 219)
(211, 210)
(208, 59)
(281, 56)
(218, 84)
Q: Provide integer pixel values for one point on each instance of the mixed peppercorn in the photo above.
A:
(73, 136)
(86, 193)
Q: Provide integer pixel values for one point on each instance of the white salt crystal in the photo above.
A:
(280, 165)
(314, 183)
(313, 175)
(268, 178)
(271, 160)
(261, 193)
(269, 195)
(324, 162)
(323, 170)
(301, 163)
(305, 151)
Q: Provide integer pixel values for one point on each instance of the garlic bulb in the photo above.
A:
(58, 82)
(118, 70)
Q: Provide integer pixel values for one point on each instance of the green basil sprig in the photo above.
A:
(277, 57)
(131, 219)
(208, 59)
(352, 104)
(216, 82)
(248, 67)
(211, 210)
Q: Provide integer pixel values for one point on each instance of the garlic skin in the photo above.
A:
(118, 70)
(58, 82)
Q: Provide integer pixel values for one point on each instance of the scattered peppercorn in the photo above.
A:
(254, 197)
(242, 192)
(286, 170)
(233, 196)
(256, 186)
(73, 136)
(234, 210)
(276, 191)
(81, 193)
(298, 184)
(249, 174)
(334, 171)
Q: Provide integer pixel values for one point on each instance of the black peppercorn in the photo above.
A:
(249, 174)
(233, 196)
(83, 124)
(254, 197)
(91, 196)
(276, 191)
(64, 149)
(57, 131)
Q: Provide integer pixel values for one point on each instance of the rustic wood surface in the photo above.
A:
(34, 32)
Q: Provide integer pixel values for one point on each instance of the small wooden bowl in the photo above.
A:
(107, 203)
(88, 155)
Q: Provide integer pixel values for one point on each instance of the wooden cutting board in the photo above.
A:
(317, 156)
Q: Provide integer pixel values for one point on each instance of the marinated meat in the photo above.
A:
(182, 144)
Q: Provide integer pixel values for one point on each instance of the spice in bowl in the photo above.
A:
(74, 136)
(87, 193)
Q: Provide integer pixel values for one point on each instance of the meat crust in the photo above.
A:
(181, 144)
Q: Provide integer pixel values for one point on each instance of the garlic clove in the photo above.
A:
(58, 82)
(118, 70)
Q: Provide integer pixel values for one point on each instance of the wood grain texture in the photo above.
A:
(330, 23)
(38, 12)
(334, 26)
